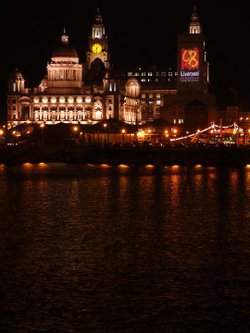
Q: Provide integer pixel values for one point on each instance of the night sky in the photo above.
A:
(142, 34)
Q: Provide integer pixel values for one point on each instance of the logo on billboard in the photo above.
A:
(189, 65)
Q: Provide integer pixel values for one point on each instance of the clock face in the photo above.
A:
(96, 48)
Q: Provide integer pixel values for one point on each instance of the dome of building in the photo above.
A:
(132, 87)
(16, 74)
(65, 50)
(132, 80)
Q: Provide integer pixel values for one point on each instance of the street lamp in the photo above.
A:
(42, 134)
(81, 136)
(166, 136)
(75, 130)
(175, 132)
(187, 133)
(123, 132)
(105, 125)
(1, 136)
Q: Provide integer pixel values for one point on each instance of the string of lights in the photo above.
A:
(213, 127)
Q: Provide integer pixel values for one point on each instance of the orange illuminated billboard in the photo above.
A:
(190, 59)
(189, 64)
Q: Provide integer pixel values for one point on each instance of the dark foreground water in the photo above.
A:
(123, 249)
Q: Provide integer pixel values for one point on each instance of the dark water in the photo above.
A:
(116, 249)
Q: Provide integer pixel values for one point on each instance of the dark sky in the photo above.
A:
(138, 33)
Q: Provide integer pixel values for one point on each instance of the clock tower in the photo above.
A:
(97, 55)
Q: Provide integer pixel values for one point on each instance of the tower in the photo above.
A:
(18, 103)
(192, 108)
(192, 63)
(112, 95)
(97, 56)
(131, 105)
(64, 72)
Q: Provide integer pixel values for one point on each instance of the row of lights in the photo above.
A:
(62, 99)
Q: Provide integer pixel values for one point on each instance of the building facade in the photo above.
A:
(192, 107)
(86, 93)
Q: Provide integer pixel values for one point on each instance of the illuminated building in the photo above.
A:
(192, 107)
(86, 93)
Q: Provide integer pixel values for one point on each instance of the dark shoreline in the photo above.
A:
(211, 156)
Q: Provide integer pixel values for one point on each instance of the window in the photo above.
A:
(61, 75)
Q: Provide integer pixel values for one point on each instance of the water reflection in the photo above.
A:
(124, 249)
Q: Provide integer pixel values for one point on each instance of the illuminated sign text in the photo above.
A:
(190, 65)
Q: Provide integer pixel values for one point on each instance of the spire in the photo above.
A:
(98, 18)
(194, 25)
(98, 30)
(64, 37)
